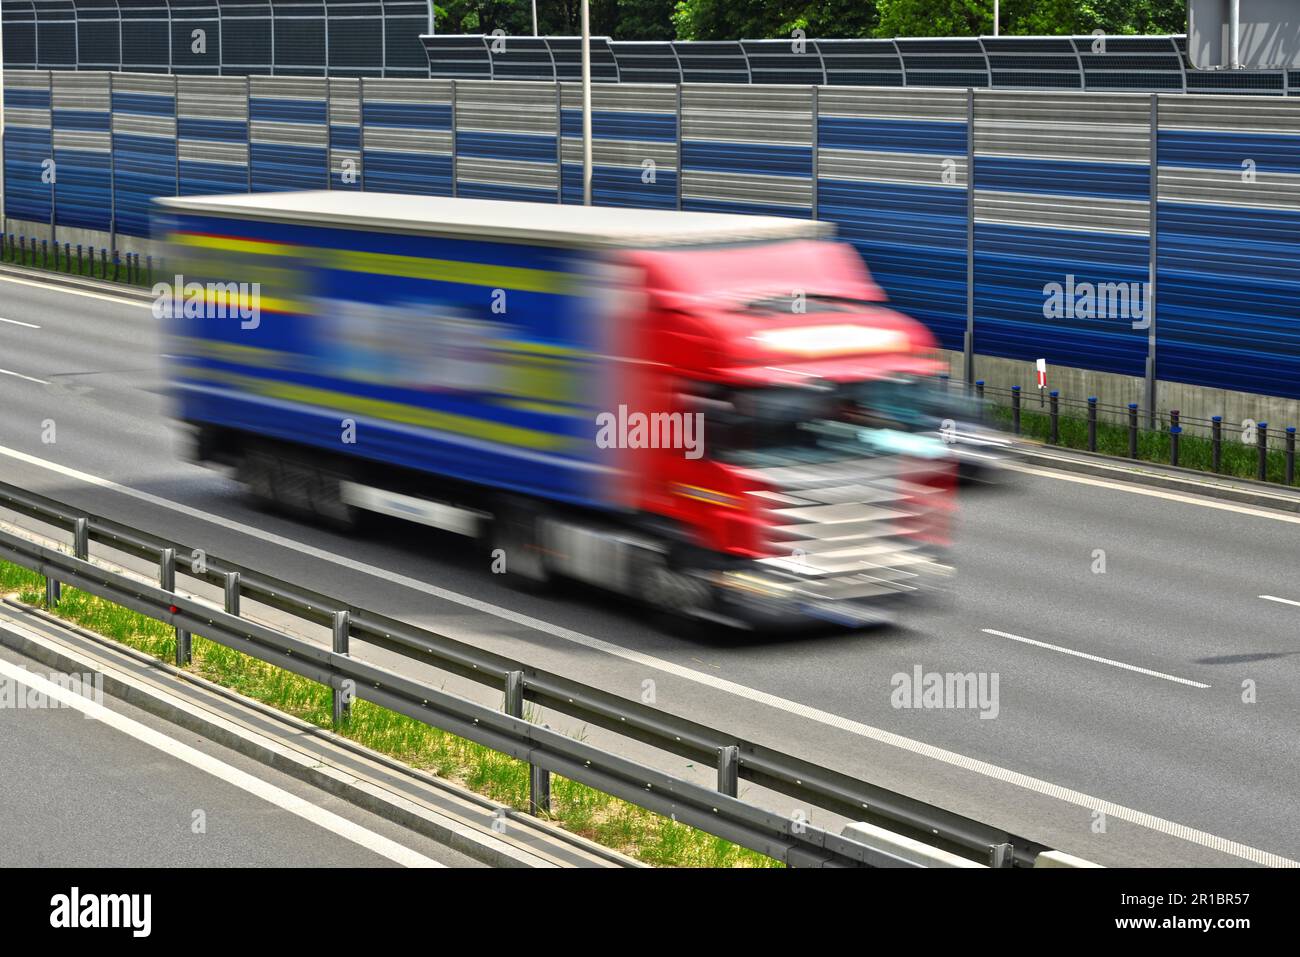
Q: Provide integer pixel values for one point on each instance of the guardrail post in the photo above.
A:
(81, 539)
(1261, 447)
(1002, 855)
(1132, 430)
(167, 582)
(539, 790)
(1054, 436)
(729, 770)
(340, 701)
(1092, 423)
(1175, 431)
(1290, 455)
(1216, 442)
(1015, 409)
(232, 593)
(539, 779)
(53, 592)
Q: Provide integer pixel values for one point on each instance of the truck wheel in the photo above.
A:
(256, 472)
(328, 505)
(515, 547)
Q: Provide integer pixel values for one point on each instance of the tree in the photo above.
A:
(939, 18)
(756, 19)
(620, 19)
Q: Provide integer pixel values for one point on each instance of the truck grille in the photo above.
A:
(846, 527)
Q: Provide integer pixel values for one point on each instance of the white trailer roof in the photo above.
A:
(543, 223)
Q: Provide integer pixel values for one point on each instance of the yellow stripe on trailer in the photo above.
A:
(485, 429)
(514, 278)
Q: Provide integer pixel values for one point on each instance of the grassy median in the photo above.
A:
(641, 834)
(1238, 460)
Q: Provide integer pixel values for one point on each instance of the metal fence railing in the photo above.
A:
(720, 812)
(1245, 449)
(77, 259)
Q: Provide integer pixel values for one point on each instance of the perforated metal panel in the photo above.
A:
(458, 57)
(861, 62)
(566, 52)
(1033, 63)
(646, 62)
(712, 62)
(794, 61)
(18, 19)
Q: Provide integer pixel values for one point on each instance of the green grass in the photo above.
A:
(607, 820)
(1194, 451)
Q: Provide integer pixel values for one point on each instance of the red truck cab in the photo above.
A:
(815, 493)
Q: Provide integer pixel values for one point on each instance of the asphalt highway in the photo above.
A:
(1146, 714)
(129, 790)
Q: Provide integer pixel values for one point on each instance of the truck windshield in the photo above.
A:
(788, 425)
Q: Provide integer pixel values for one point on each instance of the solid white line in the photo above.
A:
(17, 322)
(53, 287)
(1285, 601)
(19, 375)
(785, 705)
(1105, 661)
(1159, 493)
(363, 837)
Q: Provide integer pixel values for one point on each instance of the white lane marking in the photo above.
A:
(52, 287)
(785, 705)
(364, 837)
(1105, 661)
(17, 322)
(1285, 601)
(1160, 493)
(19, 375)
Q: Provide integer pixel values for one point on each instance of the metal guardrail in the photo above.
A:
(720, 812)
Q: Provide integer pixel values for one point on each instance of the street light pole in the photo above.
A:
(1234, 33)
(586, 103)
(534, 17)
(996, 17)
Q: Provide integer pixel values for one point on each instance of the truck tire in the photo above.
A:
(514, 542)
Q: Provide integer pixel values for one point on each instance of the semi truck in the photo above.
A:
(718, 415)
